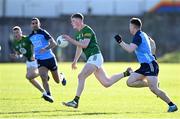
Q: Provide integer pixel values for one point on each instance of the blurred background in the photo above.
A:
(161, 20)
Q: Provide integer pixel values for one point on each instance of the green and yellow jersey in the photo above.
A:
(24, 47)
(88, 33)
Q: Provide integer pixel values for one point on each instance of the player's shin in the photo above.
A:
(36, 84)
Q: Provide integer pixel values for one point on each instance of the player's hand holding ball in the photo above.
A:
(62, 41)
(118, 38)
(67, 37)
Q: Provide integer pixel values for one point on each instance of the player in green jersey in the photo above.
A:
(23, 46)
(86, 41)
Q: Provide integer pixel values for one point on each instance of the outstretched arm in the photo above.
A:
(83, 44)
(127, 47)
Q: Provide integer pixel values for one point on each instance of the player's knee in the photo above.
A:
(44, 76)
(129, 83)
(29, 77)
(106, 85)
(57, 80)
(81, 76)
(154, 89)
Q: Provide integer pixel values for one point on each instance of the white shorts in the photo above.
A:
(32, 64)
(96, 59)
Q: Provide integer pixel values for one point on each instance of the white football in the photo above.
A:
(62, 42)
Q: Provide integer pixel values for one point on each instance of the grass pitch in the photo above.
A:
(19, 99)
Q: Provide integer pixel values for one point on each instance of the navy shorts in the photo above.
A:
(50, 64)
(151, 69)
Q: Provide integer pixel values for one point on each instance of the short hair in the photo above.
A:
(136, 21)
(35, 18)
(16, 28)
(78, 15)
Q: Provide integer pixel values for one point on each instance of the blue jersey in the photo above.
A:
(39, 40)
(143, 51)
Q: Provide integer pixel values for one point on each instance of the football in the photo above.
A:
(62, 42)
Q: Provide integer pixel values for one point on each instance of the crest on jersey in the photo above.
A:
(87, 35)
(23, 50)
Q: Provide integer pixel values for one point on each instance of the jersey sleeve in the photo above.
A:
(47, 35)
(87, 35)
(137, 40)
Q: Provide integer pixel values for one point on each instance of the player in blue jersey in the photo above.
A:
(43, 42)
(147, 74)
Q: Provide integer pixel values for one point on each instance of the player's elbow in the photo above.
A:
(55, 44)
(83, 46)
(107, 85)
(130, 50)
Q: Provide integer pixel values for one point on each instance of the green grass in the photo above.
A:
(18, 99)
(173, 57)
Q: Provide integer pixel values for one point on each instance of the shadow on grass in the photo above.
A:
(92, 113)
(69, 113)
(33, 112)
(95, 113)
(80, 114)
(106, 113)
